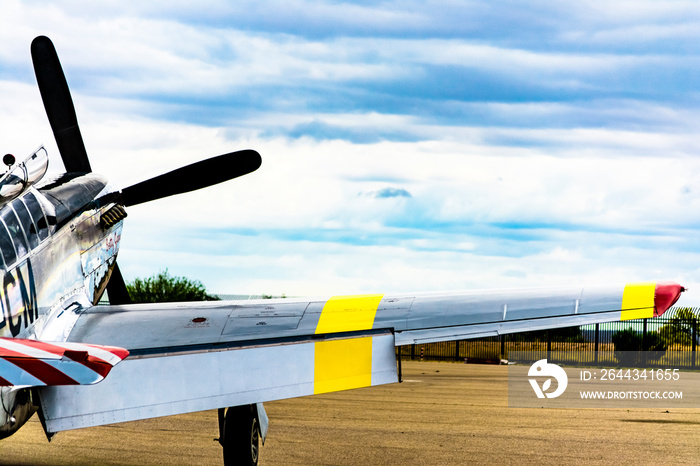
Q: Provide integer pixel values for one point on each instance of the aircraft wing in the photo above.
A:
(195, 356)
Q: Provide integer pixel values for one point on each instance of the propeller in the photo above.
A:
(59, 105)
(64, 123)
(116, 287)
(192, 177)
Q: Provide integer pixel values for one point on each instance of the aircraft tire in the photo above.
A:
(241, 436)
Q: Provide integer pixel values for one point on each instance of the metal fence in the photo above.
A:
(678, 330)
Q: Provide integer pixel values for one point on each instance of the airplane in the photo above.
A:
(78, 364)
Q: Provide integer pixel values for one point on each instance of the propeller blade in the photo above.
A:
(59, 105)
(116, 288)
(192, 177)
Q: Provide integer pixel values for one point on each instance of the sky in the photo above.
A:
(407, 146)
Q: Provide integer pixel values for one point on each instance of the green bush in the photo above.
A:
(164, 288)
(566, 334)
(633, 349)
(680, 329)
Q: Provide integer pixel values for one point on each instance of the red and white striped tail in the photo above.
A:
(32, 363)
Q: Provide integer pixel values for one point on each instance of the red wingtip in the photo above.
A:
(666, 295)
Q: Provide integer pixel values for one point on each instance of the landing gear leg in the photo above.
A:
(239, 435)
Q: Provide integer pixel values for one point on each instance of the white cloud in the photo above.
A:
(505, 191)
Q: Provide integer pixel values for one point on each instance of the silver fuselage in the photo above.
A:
(58, 245)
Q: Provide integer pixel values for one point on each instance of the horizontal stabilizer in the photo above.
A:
(31, 363)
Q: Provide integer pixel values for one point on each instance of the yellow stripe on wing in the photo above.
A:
(342, 364)
(345, 364)
(638, 301)
(348, 313)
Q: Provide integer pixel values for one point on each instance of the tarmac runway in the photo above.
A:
(442, 413)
